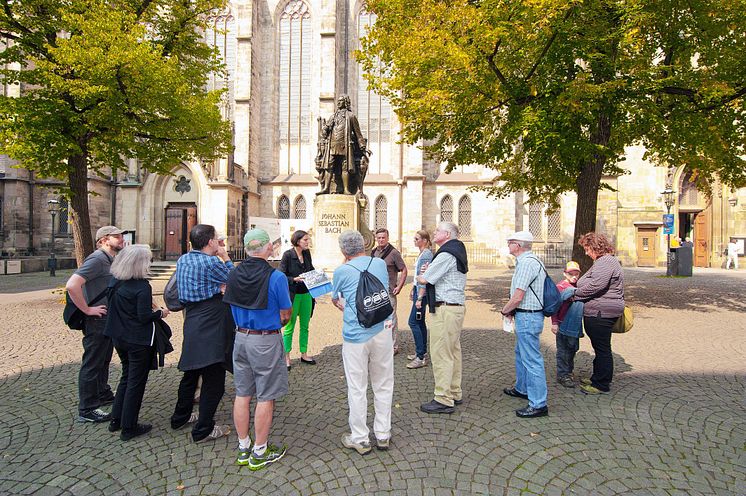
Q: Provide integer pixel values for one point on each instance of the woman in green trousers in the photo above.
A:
(295, 262)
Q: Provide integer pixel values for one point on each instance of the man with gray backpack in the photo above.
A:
(530, 300)
(361, 293)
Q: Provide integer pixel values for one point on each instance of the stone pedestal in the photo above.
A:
(332, 215)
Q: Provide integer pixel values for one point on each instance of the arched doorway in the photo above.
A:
(694, 218)
(180, 219)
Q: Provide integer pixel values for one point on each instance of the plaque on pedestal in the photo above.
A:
(332, 215)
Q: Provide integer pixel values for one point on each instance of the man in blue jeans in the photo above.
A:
(525, 306)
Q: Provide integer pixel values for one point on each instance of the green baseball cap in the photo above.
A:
(255, 238)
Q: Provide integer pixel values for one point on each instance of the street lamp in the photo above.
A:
(53, 206)
(669, 200)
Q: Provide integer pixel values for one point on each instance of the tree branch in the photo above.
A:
(548, 44)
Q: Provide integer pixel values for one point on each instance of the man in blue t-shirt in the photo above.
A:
(365, 351)
(260, 302)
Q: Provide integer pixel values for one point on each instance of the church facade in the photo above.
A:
(287, 62)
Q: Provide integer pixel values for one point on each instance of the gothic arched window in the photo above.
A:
(464, 216)
(373, 110)
(283, 207)
(446, 209)
(536, 220)
(554, 225)
(299, 207)
(63, 227)
(221, 35)
(296, 44)
(381, 212)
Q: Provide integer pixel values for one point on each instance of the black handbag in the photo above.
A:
(73, 316)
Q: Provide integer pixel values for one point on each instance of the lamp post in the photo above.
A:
(668, 199)
(53, 206)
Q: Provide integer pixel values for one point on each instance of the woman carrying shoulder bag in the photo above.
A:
(602, 291)
(130, 324)
(296, 261)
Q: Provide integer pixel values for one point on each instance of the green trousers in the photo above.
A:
(302, 305)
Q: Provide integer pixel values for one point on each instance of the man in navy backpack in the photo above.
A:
(526, 307)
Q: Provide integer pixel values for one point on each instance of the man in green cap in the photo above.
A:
(260, 302)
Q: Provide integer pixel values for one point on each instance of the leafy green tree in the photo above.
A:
(103, 81)
(549, 92)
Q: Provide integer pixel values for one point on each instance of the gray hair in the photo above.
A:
(351, 243)
(256, 251)
(524, 244)
(133, 262)
(450, 228)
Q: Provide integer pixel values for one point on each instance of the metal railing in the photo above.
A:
(553, 255)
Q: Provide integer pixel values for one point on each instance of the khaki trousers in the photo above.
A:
(394, 323)
(444, 339)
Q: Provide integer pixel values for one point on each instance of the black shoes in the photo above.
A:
(458, 402)
(531, 412)
(435, 407)
(139, 430)
(515, 393)
(115, 425)
(310, 361)
(96, 416)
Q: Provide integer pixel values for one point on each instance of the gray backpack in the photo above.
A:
(171, 295)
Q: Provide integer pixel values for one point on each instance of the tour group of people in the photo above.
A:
(242, 318)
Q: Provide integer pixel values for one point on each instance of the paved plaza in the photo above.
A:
(674, 422)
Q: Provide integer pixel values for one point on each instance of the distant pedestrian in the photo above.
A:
(296, 261)
(732, 252)
(130, 325)
(445, 278)
(568, 339)
(419, 302)
(602, 291)
(366, 351)
(525, 308)
(260, 302)
(201, 275)
(86, 284)
(397, 271)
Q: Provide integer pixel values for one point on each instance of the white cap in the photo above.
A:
(521, 236)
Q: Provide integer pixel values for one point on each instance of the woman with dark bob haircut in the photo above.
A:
(295, 262)
(602, 291)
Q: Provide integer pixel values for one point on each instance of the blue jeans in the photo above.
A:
(419, 328)
(566, 348)
(530, 377)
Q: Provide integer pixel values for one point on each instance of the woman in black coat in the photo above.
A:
(295, 262)
(130, 323)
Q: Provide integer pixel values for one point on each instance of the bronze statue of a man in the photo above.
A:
(342, 158)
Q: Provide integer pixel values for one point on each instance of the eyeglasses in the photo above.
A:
(511, 242)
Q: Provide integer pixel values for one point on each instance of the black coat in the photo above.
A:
(290, 266)
(129, 314)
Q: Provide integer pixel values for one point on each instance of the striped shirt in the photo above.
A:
(450, 284)
(200, 276)
(602, 288)
(529, 271)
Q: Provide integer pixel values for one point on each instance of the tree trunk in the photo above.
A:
(81, 220)
(586, 187)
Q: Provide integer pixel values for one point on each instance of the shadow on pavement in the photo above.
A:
(701, 293)
(651, 434)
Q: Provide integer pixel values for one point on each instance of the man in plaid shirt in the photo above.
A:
(201, 275)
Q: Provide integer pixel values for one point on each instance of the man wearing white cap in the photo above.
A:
(525, 307)
(87, 288)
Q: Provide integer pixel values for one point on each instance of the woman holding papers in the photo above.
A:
(295, 262)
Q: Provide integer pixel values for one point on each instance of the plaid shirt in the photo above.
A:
(200, 276)
(529, 271)
(450, 284)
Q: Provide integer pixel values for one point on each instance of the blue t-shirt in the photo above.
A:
(269, 318)
(345, 285)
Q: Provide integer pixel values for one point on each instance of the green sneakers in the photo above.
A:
(588, 389)
(271, 455)
(243, 456)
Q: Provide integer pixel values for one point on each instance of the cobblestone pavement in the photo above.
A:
(674, 423)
